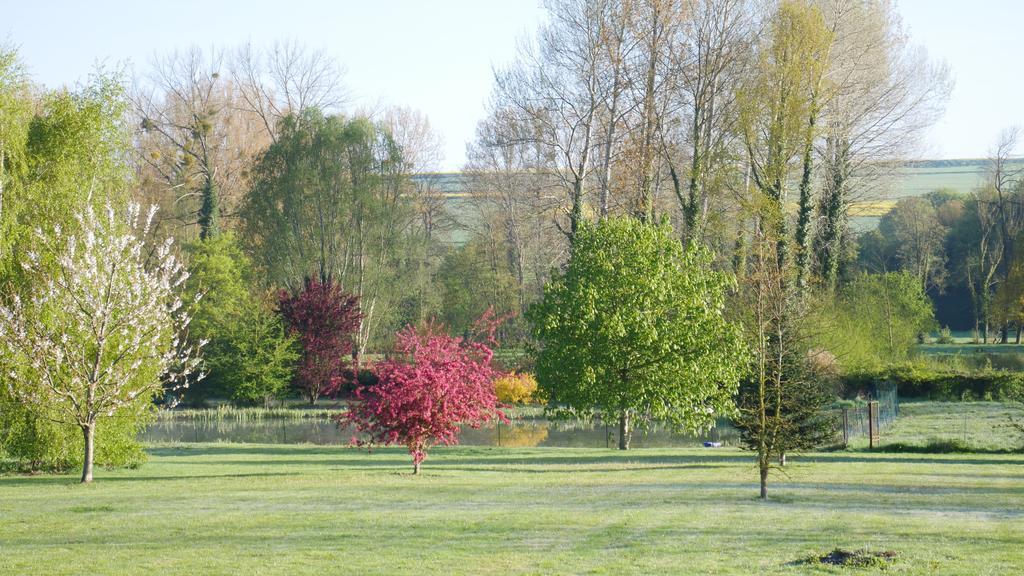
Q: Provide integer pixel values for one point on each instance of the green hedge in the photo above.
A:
(914, 381)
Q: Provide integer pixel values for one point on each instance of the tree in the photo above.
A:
(634, 328)
(63, 150)
(555, 91)
(471, 283)
(716, 43)
(434, 384)
(325, 319)
(76, 155)
(328, 203)
(776, 104)
(256, 356)
(778, 406)
(1008, 301)
(102, 333)
(285, 80)
(514, 203)
(876, 319)
(15, 114)
(196, 142)
(884, 92)
(914, 239)
(1006, 205)
(249, 357)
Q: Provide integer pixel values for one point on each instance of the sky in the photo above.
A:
(438, 56)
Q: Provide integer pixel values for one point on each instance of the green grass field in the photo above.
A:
(981, 426)
(261, 510)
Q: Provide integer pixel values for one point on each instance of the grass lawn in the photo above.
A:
(983, 426)
(259, 509)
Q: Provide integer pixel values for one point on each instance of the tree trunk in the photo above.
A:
(576, 215)
(624, 430)
(803, 222)
(208, 225)
(89, 433)
(782, 459)
(2, 160)
(415, 468)
(764, 482)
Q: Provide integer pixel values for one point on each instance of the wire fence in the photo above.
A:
(867, 421)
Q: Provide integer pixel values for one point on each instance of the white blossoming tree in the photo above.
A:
(103, 326)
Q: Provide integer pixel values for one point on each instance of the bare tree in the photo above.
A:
(194, 146)
(556, 87)
(286, 79)
(511, 193)
(1005, 205)
(712, 56)
(654, 29)
(884, 93)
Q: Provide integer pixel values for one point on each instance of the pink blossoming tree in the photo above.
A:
(433, 384)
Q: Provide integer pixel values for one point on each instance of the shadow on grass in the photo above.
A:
(443, 457)
(492, 456)
(72, 479)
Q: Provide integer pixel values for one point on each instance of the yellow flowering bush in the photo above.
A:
(516, 388)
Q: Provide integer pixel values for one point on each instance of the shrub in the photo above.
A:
(917, 381)
(34, 443)
(516, 388)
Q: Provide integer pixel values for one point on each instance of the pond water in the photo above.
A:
(519, 433)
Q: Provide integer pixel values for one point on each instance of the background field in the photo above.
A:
(271, 509)
(914, 179)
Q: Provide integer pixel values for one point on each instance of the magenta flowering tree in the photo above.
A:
(325, 318)
(432, 385)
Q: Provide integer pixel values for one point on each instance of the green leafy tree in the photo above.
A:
(327, 204)
(249, 357)
(634, 328)
(62, 152)
(471, 283)
(876, 319)
(15, 114)
(778, 107)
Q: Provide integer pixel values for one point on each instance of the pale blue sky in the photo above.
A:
(438, 55)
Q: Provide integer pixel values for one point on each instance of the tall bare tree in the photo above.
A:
(883, 93)
(712, 56)
(556, 86)
(287, 78)
(195, 147)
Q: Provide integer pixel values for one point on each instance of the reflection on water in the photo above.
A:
(523, 433)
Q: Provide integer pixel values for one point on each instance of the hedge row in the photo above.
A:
(914, 381)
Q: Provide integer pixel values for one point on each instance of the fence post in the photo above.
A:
(846, 426)
(873, 435)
